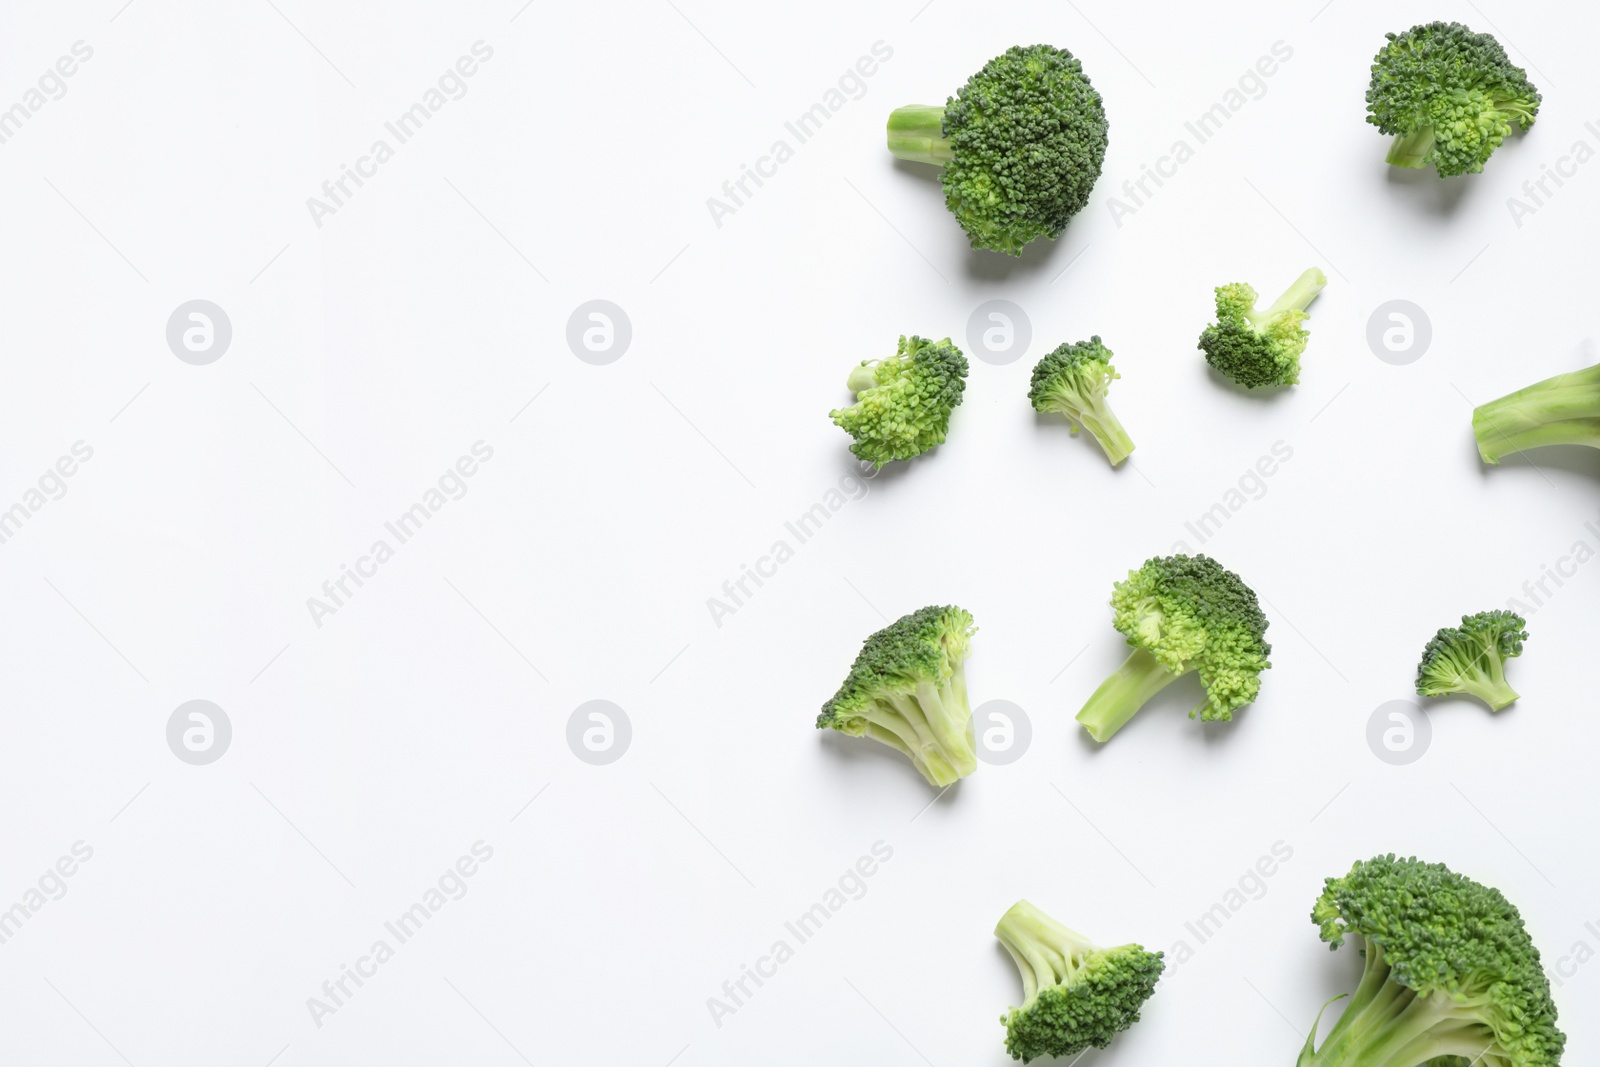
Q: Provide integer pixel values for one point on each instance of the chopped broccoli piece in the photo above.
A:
(903, 403)
(1448, 96)
(1182, 614)
(1021, 146)
(1257, 348)
(1471, 658)
(908, 690)
(1073, 381)
(1564, 410)
(1451, 976)
(1076, 995)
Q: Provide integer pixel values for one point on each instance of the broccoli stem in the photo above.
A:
(916, 133)
(1120, 696)
(1107, 429)
(1297, 297)
(1492, 688)
(1563, 410)
(1044, 951)
(1412, 149)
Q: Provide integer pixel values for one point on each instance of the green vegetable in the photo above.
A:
(1075, 994)
(907, 689)
(1448, 96)
(1471, 658)
(1564, 410)
(1021, 146)
(903, 403)
(1073, 381)
(1451, 977)
(1257, 348)
(1182, 614)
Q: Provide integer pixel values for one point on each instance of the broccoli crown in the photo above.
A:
(1449, 96)
(907, 689)
(1450, 972)
(1470, 658)
(1257, 348)
(1027, 136)
(1076, 995)
(903, 403)
(1073, 381)
(1190, 613)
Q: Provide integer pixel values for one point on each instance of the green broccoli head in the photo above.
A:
(1451, 976)
(1182, 614)
(1448, 96)
(1073, 381)
(903, 403)
(1257, 348)
(1075, 995)
(1021, 145)
(1564, 410)
(908, 690)
(1471, 658)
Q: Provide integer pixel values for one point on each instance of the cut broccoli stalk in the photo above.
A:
(1564, 410)
(916, 132)
(1297, 297)
(1120, 696)
(1412, 150)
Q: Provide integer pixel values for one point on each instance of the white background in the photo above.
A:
(369, 353)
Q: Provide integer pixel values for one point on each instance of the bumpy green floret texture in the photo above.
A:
(903, 403)
(1076, 995)
(1260, 348)
(1451, 976)
(1471, 658)
(1448, 96)
(1027, 136)
(1073, 381)
(907, 689)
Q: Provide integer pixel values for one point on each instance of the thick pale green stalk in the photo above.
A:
(1411, 150)
(1107, 429)
(1297, 297)
(916, 133)
(1120, 696)
(1043, 950)
(1564, 410)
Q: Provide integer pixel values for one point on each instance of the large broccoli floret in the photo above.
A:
(1451, 977)
(903, 403)
(907, 689)
(1257, 348)
(1448, 96)
(1075, 994)
(1182, 614)
(1073, 381)
(1564, 410)
(1021, 146)
(1471, 658)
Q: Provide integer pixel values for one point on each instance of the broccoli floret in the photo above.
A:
(1471, 658)
(1075, 994)
(907, 689)
(1257, 348)
(1182, 614)
(1448, 96)
(1451, 977)
(1073, 381)
(1564, 410)
(903, 403)
(1021, 146)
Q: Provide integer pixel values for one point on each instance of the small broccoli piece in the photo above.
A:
(1257, 348)
(1021, 146)
(1075, 994)
(1564, 410)
(1471, 658)
(908, 690)
(1073, 381)
(1182, 614)
(1451, 976)
(903, 403)
(1448, 96)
